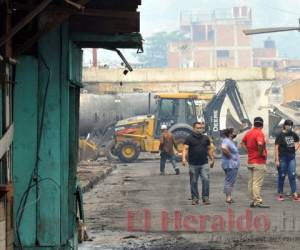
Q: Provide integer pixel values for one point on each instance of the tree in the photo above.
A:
(156, 48)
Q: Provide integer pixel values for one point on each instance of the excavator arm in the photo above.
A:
(213, 109)
(238, 104)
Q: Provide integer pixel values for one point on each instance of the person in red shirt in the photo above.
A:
(255, 144)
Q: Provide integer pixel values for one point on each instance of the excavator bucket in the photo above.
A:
(231, 122)
(88, 150)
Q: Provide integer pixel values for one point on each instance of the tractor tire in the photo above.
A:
(180, 136)
(128, 151)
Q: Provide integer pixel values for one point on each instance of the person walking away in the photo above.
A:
(167, 143)
(196, 152)
(286, 145)
(254, 143)
(230, 162)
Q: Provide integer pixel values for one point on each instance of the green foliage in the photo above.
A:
(156, 48)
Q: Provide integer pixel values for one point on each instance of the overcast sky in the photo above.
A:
(163, 15)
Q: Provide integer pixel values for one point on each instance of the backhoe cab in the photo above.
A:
(142, 133)
(178, 112)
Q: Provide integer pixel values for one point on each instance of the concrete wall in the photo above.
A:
(167, 75)
(291, 91)
(285, 76)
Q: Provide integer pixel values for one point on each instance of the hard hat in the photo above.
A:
(200, 119)
(163, 126)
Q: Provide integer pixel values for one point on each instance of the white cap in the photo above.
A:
(163, 126)
(200, 119)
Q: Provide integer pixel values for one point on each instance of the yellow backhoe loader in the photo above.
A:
(178, 112)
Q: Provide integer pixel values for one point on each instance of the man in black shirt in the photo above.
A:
(196, 152)
(286, 145)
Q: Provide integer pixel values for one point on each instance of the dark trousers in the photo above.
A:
(163, 159)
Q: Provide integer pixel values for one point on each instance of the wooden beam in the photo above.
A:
(8, 46)
(22, 6)
(107, 13)
(6, 37)
(112, 21)
(129, 5)
(78, 6)
(6, 140)
(104, 25)
(45, 28)
(85, 40)
(94, 12)
(61, 17)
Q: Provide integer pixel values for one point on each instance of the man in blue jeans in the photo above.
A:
(196, 152)
(286, 145)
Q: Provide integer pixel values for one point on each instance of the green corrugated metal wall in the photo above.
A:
(46, 106)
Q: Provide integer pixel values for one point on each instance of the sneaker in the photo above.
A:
(280, 197)
(195, 202)
(260, 205)
(295, 197)
(162, 173)
(252, 204)
(206, 202)
(177, 171)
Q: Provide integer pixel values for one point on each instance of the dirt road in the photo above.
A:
(136, 208)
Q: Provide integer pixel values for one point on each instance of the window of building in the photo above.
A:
(198, 32)
(223, 53)
(210, 35)
(203, 32)
(199, 36)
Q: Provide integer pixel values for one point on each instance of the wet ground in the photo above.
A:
(136, 208)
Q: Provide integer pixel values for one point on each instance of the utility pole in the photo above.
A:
(270, 30)
(95, 61)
